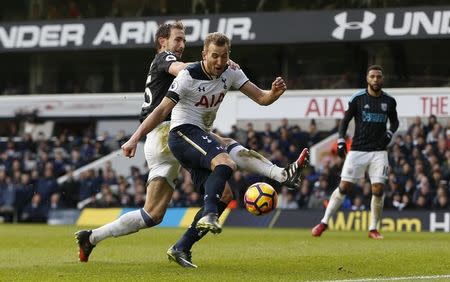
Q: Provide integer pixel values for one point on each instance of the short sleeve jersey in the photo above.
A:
(198, 95)
(158, 81)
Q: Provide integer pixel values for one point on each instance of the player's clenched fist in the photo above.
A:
(129, 149)
(279, 84)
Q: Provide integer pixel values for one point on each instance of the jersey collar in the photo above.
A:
(210, 76)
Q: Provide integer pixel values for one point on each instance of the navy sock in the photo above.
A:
(214, 186)
(147, 219)
(192, 235)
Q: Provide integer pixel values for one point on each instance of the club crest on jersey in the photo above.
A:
(384, 106)
(210, 101)
(173, 86)
(224, 80)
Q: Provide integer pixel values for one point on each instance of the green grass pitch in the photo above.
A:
(49, 253)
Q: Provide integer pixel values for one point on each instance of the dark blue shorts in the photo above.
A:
(194, 148)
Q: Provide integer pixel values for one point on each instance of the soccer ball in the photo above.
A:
(260, 198)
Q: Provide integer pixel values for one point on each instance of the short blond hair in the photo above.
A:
(216, 38)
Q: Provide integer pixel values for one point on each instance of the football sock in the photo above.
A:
(376, 208)
(214, 186)
(336, 200)
(192, 235)
(128, 223)
(254, 162)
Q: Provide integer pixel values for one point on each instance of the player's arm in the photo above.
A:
(178, 66)
(264, 97)
(343, 126)
(152, 120)
(394, 123)
(393, 118)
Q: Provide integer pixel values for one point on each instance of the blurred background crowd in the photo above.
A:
(29, 170)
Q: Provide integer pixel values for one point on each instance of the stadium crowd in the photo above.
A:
(29, 168)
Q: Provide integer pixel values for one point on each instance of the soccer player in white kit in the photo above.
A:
(162, 164)
(194, 99)
(371, 108)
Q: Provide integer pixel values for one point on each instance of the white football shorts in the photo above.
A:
(357, 163)
(160, 159)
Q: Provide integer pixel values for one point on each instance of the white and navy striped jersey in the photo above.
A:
(198, 95)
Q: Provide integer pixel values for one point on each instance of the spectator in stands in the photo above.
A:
(304, 194)
(75, 158)
(440, 202)
(70, 191)
(177, 200)
(319, 195)
(314, 134)
(268, 132)
(357, 204)
(238, 134)
(194, 199)
(88, 186)
(125, 198)
(7, 196)
(105, 199)
(286, 199)
(47, 186)
(36, 210)
(423, 197)
(238, 186)
(432, 120)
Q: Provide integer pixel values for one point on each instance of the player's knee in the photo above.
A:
(377, 189)
(227, 162)
(156, 214)
(345, 187)
(227, 141)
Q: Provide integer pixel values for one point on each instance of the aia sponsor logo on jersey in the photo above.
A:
(212, 101)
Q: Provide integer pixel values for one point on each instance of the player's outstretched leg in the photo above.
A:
(85, 246)
(254, 162)
(293, 171)
(159, 193)
(181, 251)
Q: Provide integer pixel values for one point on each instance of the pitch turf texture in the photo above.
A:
(43, 253)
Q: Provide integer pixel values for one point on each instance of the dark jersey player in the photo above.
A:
(371, 108)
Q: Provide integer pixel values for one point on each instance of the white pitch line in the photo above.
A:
(394, 278)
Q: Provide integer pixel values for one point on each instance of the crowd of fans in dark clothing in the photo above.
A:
(29, 168)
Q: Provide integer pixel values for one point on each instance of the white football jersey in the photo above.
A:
(198, 95)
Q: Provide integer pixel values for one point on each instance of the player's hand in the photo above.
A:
(386, 139)
(342, 148)
(129, 148)
(233, 65)
(278, 86)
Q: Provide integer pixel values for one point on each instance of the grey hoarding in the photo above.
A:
(410, 221)
(252, 28)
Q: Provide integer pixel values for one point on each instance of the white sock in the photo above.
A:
(336, 200)
(130, 222)
(253, 161)
(376, 208)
